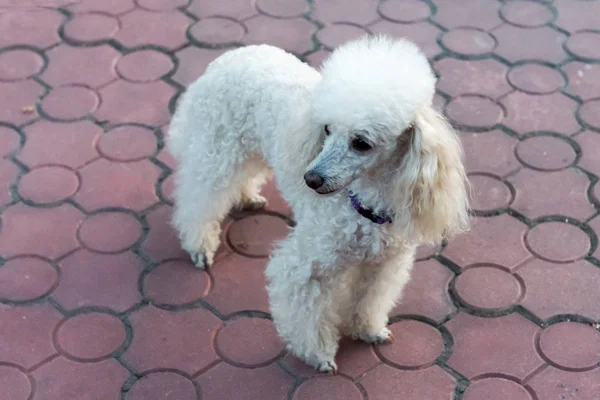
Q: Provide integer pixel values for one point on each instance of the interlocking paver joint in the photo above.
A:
(97, 299)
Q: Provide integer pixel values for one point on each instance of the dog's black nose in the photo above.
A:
(313, 180)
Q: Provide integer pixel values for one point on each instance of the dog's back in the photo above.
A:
(242, 91)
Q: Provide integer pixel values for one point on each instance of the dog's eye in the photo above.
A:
(326, 129)
(359, 144)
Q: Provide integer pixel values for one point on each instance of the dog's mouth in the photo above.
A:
(327, 191)
(331, 189)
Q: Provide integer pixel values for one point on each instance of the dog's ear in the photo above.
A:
(432, 179)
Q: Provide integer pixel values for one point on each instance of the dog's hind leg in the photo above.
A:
(379, 290)
(204, 198)
(198, 213)
(251, 198)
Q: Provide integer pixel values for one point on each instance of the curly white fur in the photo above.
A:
(259, 110)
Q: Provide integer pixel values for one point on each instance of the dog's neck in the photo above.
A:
(369, 201)
(367, 212)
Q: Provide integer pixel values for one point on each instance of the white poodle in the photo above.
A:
(369, 169)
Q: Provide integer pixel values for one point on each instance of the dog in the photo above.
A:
(368, 167)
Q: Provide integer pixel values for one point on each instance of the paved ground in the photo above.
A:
(98, 301)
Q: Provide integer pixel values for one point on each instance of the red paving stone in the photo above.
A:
(51, 184)
(487, 288)
(162, 385)
(91, 336)
(485, 77)
(62, 378)
(127, 227)
(490, 388)
(19, 64)
(489, 193)
(422, 344)
(546, 153)
(467, 41)
(584, 79)
(248, 342)
(98, 301)
(536, 78)
(9, 140)
(26, 278)
(89, 66)
(17, 104)
(81, 272)
(70, 102)
(14, 383)
(144, 66)
(175, 282)
(529, 113)
(59, 143)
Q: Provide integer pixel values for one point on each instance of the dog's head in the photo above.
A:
(373, 108)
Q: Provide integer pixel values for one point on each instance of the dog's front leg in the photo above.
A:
(303, 310)
(378, 290)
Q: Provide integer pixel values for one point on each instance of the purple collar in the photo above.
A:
(368, 213)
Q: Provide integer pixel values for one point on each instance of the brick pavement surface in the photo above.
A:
(97, 301)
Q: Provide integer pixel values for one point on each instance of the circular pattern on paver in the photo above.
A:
(474, 111)
(26, 278)
(217, 31)
(144, 66)
(420, 345)
(110, 231)
(557, 241)
(488, 288)
(127, 143)
(527, 14)
(161, 5)
(249, 342)
(468, 41)
(585, 45)
(336, 34)
(48, 184)
(255, 235)
(545, 152)
(536, 78)
(162, 385)
(70, 102)
(496, 388)
(282, 8)
(19, 64)
(90, 336)
(92, 27)
(176, 282)
(488, 193)
(9, 140)
(14, 383)
(405, 11)
(590, 113)
(571, 345)
(317, 387)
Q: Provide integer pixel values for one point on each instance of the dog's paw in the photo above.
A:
(329, 367)
(384, 336)
(200, 260)
(255, 203)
